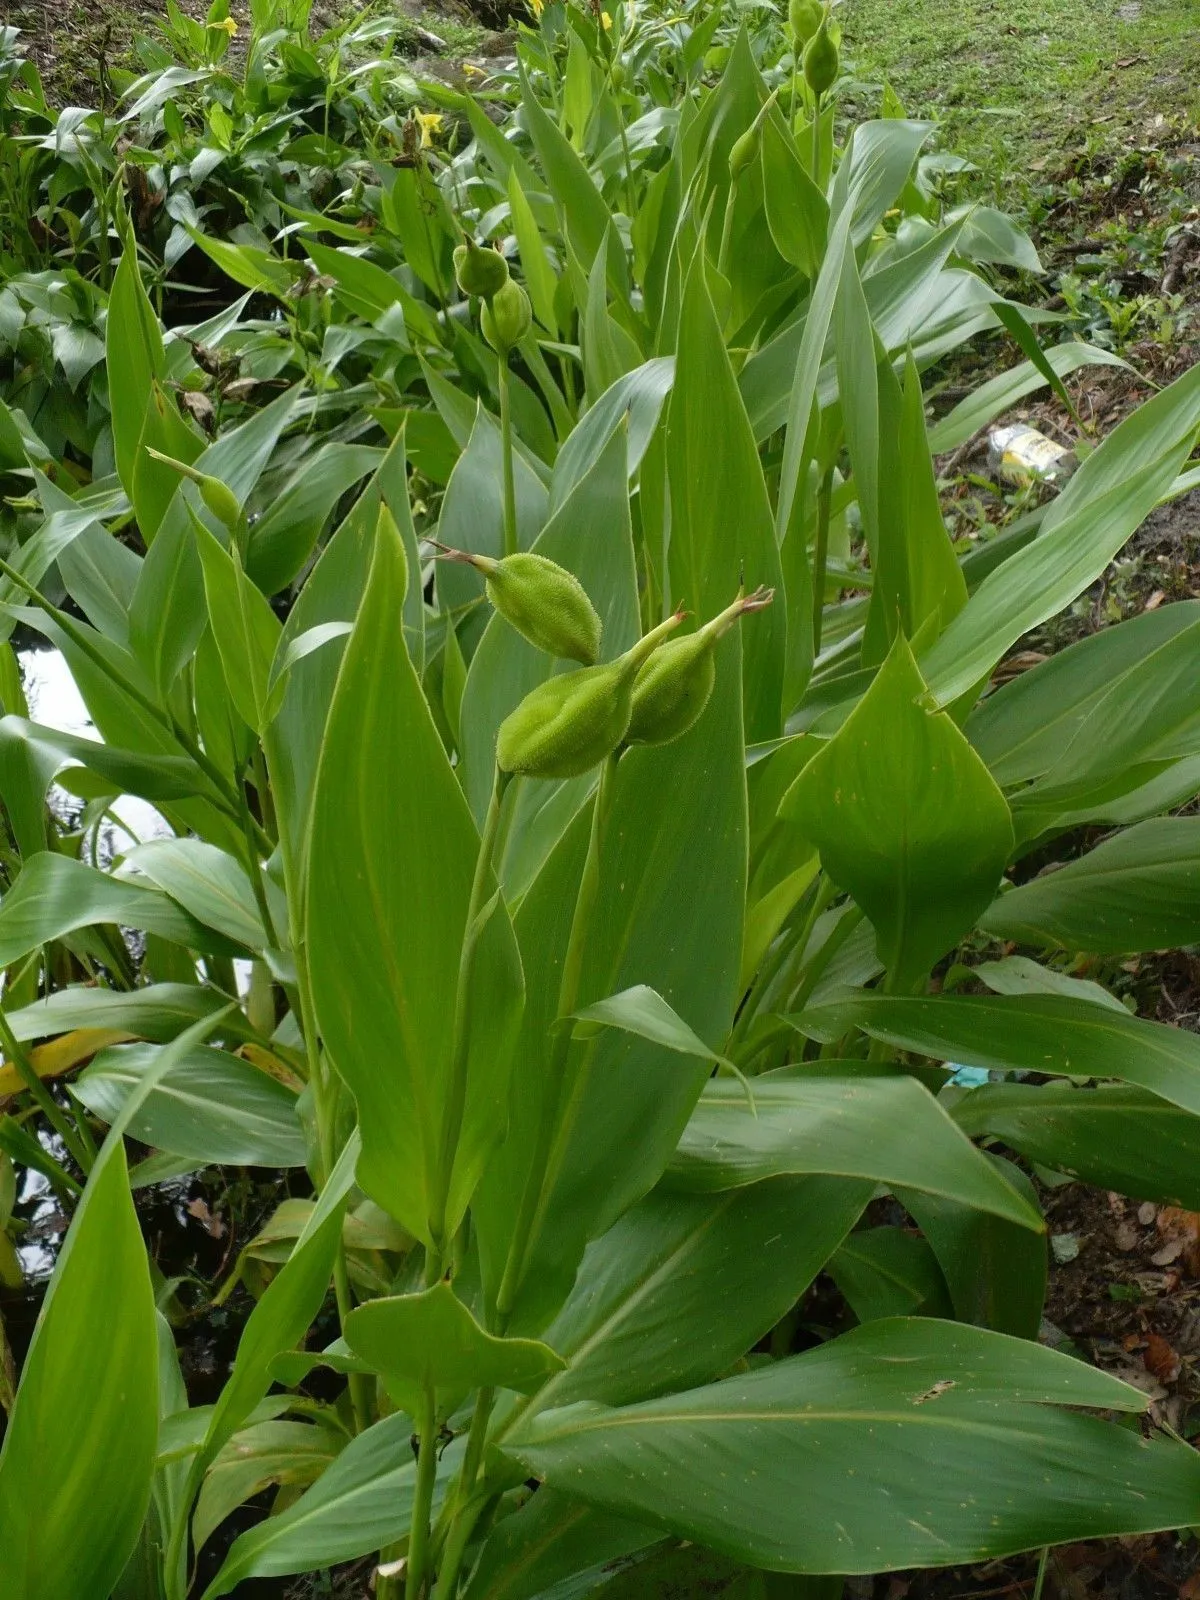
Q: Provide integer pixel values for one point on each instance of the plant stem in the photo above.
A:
(479, 910)
(456, 1547)
(506, 449)
(727, 229)
(568, 996)
(821, 557)
(418, 1539)
(816, 141)
(54, 1113)
(1041, 1572)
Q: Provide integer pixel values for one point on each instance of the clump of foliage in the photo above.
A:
(599, 998)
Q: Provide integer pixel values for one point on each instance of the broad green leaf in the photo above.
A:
(135, 358)
(683, 1285)
(889, 1272)
(950, 1432)
(158, 1011)
(797, 212)
(1112, 1136)
(362, 1503)
(918, 581)
(212, 1107)
(244, 626)
(207, 882)
(282, 539)
(996, 1272)
(721, 527)
(581, 205)
(1020, 975)
(293, 1454)
(1030, 1033)
(75, 1477)
(890, 1130)
(642, 1011)
(639, 398)
(1109, 497)
(629, 1100)
(999, 394)
(159, 777)
(431, 1341)
(390, 871)
(907, 818)
(552, 1539)
(155, 483)
(54, 896)
(539, 275)
(1139, 890)
(1023, 728)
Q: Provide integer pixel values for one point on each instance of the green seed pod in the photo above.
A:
(821, 60)
(570, 723)
(217, 496)
(618, 75)
(479, 271)
(505, 320)
(804, 18)
(672, 689)
(745, 149)
(544, 602)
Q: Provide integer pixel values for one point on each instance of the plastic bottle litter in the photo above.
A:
(1022, 455)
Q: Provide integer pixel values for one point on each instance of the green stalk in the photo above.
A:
(816, 141)
(479, 909)
(54, 1113)
(456, 1548)
(568, 997)
(506, 446)
(727, 229)
(821, 558)
(418, 1538)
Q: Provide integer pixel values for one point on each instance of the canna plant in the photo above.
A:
(598, 967)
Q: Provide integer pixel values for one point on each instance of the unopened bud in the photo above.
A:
(804, 18)
(821, 60)
(744, 151)
(217, 496)
(570, 723)
(506, 317)
(672, 689)
(479, 271)
(544, 602)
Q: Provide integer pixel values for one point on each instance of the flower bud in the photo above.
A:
(479, 271)
(804, 18)
(544, 602)
(821, 60)
(672, 689)
(506, 317)
(618, 75)
(217, 496)
(570, 723)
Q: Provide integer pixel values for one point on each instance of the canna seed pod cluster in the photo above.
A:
(479, 271)
(673, 687)
(544, 602)
(572, 722)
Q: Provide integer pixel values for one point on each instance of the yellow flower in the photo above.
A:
(431, 123)
(537, 7)
(470, 70)
(606, 21)
(228, 26)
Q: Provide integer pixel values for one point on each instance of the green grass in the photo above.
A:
(1018, 84)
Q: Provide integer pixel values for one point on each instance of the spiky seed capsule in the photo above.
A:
(506, 318)
(745, 149)
(821, 60)
(544, 602)
(804, 18)
(672, 689)
(479, 271)
(570, 723)
(217, 496)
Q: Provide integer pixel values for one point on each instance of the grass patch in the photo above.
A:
(1018, 83)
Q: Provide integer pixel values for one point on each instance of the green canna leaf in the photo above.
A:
(907, 819)
(75, 1477)
(389, 880)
